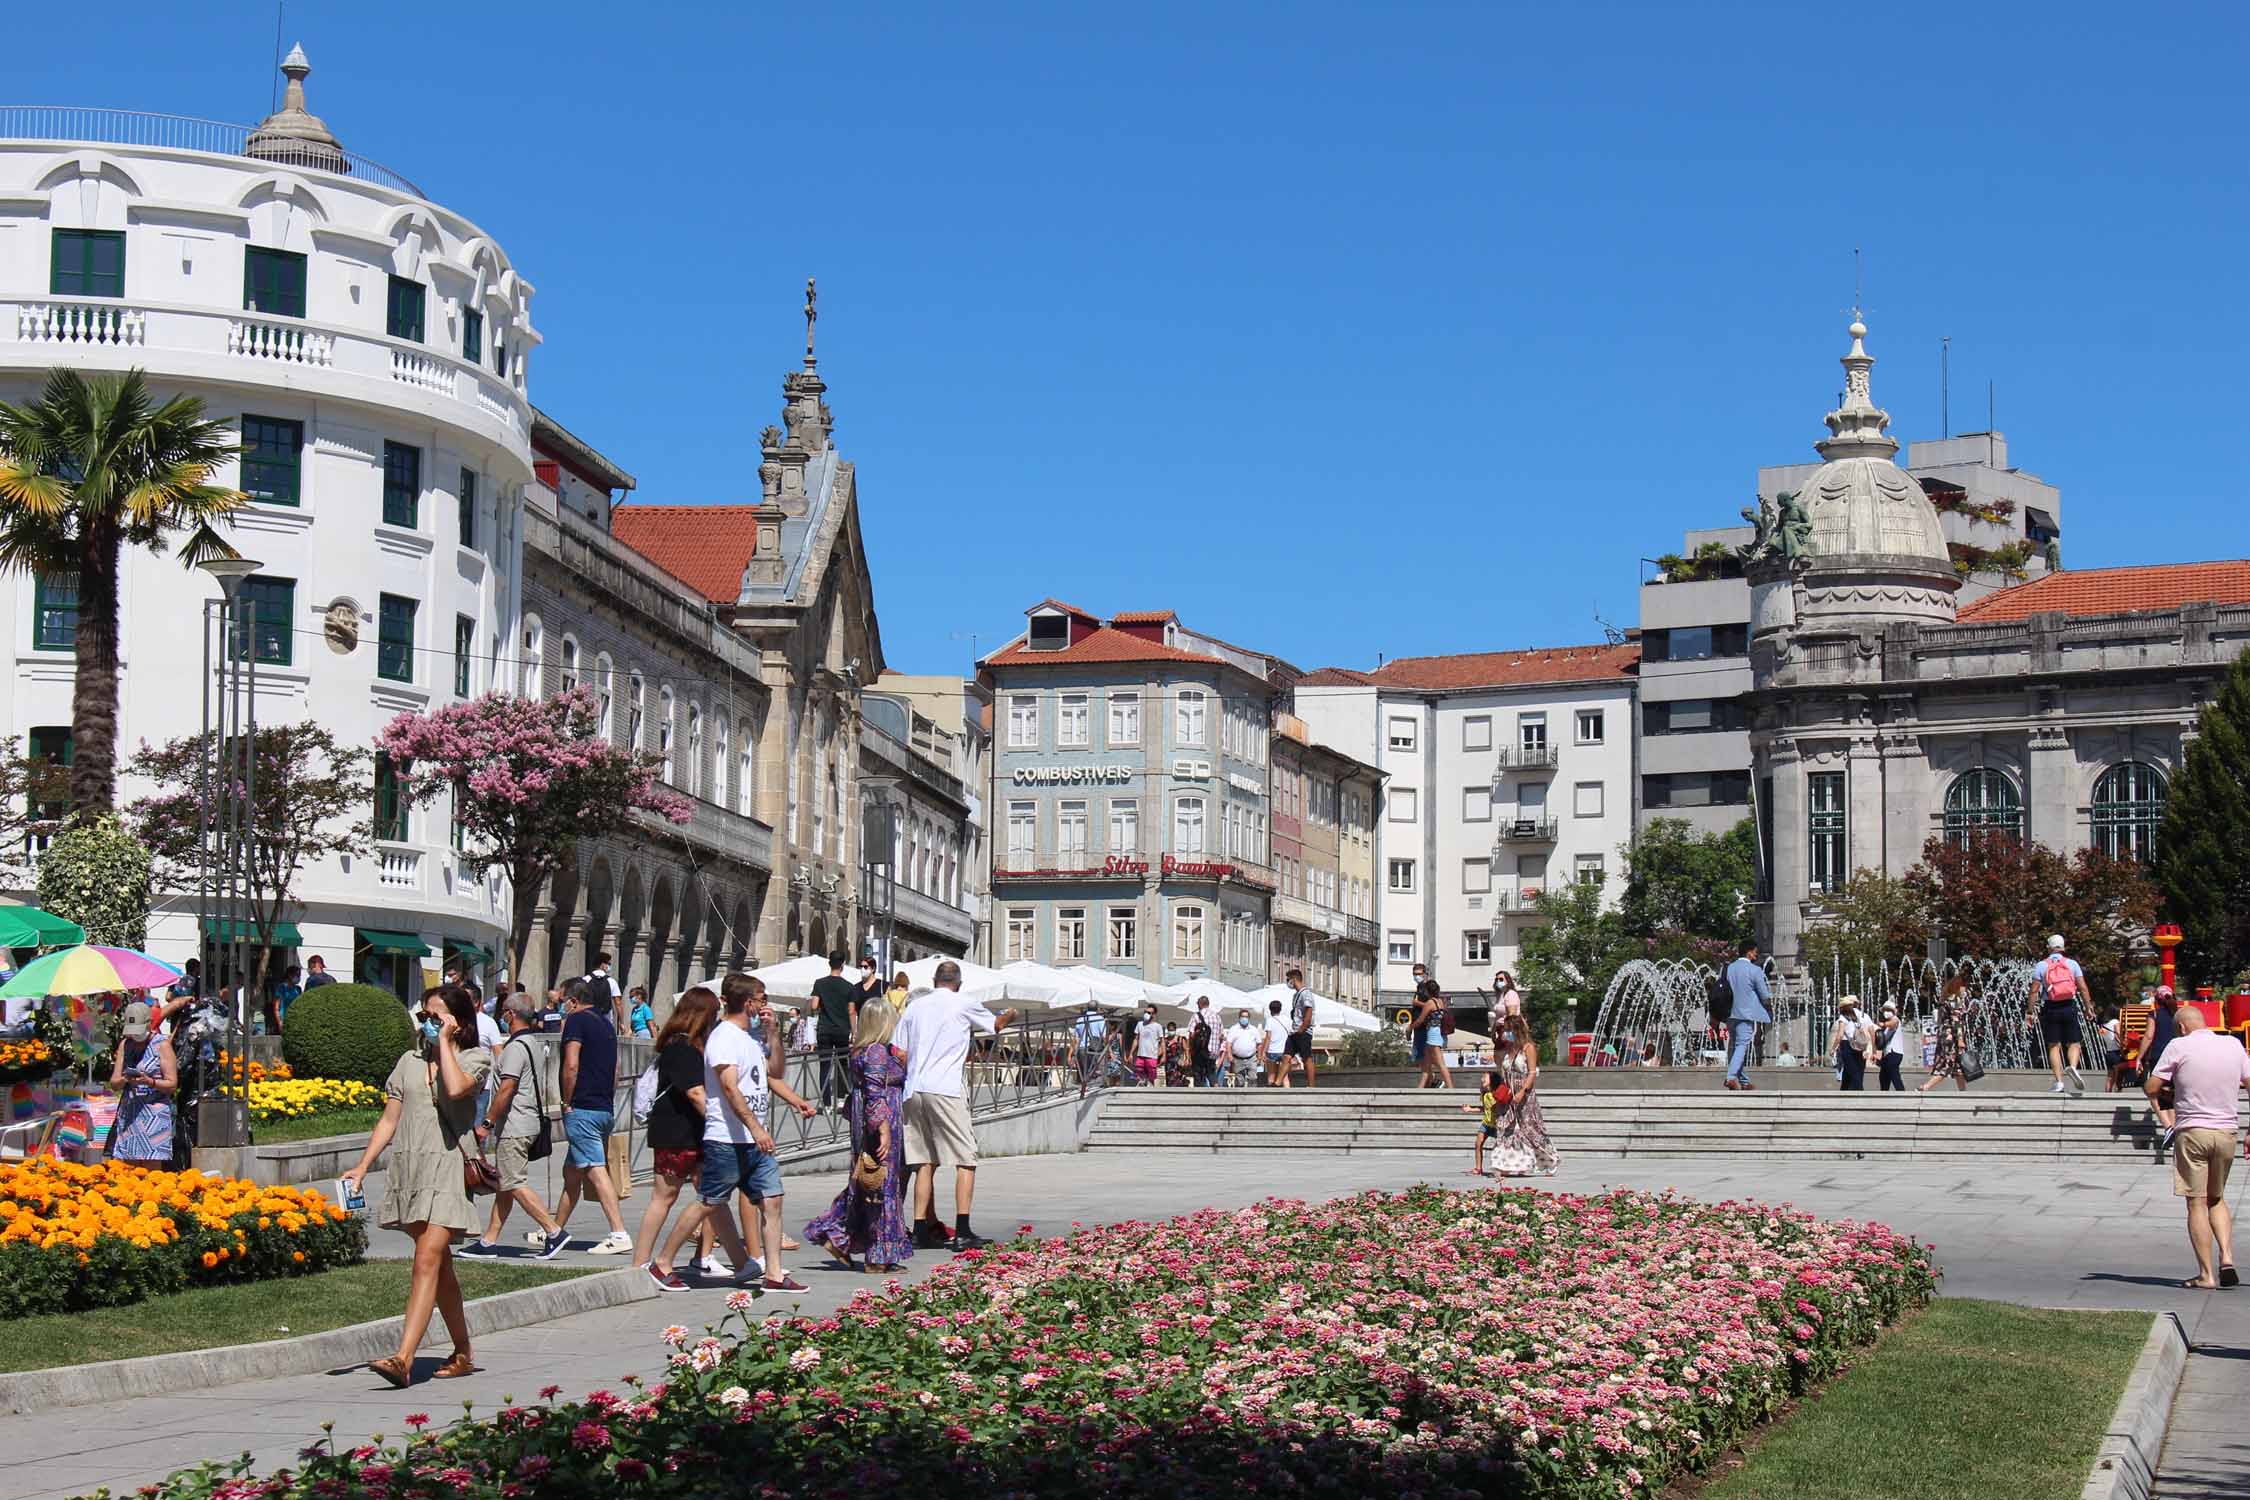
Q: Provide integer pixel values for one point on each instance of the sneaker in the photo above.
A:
(2058, 1088)
(666, 1281)
(476, 1250)
(753, 1273)
(618, 1243)
(535, 1237)
(2077, 1084)
(552, 1245)
(713, 1266)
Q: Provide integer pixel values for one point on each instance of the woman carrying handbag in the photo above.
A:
(1848, 1040)
(429, 1115)
(869, 1215)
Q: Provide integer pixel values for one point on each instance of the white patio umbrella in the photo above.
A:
(787, 1007)
(792, 979)
(1223, 996)
(1058, 988)
(992, 986)
(1114, 989)
(1327, 1014)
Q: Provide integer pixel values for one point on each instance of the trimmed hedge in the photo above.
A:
(347, 1031)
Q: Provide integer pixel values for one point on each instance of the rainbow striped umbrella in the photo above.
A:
(90, 969)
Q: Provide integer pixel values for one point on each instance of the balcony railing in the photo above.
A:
(728, 835)
(1516, 899)
(133, 127)
(1529, 757)
(224, 339)
(1363, 931)
(1520, 831)
(926, 913)
(1303, 913)
(398, 869)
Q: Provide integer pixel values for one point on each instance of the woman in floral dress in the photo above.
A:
(860, 1222)
(141, 1135)
(1176, 1074)
(1523, 1149)
(1952, 1036)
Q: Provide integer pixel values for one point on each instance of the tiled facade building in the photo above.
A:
(1131, 818)
(1324, 805)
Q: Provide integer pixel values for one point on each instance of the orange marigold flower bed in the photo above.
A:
(75, 1236)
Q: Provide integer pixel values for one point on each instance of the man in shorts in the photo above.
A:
(2206, 1070)
(589, 1092)
(1148, 1048)
(2057, 986)
(1298, 1044)
(1246, 1040)
(738, 1150)
(934, 1034)
(1277, 1046)
(510, 1122)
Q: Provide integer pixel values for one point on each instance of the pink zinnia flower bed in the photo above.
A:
(1429, 1342)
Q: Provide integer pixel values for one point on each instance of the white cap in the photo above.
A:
(2055, 943)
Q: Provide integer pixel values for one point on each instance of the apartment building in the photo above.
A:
(1324, 861)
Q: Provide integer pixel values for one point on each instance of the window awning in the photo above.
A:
(405, 944)
(29, 927)
(283, 935)
(469, 951)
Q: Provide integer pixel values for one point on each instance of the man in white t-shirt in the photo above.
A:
(934, 1034)
(1277, 1046)
(738, 1150)
(1245, 1040)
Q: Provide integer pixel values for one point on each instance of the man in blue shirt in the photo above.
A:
(1746, 980)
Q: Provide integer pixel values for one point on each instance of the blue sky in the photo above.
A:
(1342, 330)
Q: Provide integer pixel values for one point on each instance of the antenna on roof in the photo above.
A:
(273, 92)
(1610, 633)
(1945, 386)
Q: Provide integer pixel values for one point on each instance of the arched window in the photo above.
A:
(534, 657)
(719, 765)
(1982, 801)
(569, 673)
(664, 733)
(636, 700)
(695, 749)
(605, 694)
(2128, 804)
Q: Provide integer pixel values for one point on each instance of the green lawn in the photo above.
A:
(312, 1127)
(213, 1317)
(1968, 1398)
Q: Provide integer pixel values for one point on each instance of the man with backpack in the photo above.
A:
(2056, 989)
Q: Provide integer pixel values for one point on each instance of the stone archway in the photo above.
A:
(795, 945)
(662, 970)
(632, 937)
(693, 915)
(738, 945)
(601, 888)
(819, 934)
(558, 920)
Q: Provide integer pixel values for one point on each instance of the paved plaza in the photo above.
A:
(2101, 1237)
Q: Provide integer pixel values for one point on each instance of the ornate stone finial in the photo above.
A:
(812, 316)
(293, 135)
(1856, 429)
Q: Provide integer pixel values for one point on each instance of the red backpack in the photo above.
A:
(2060, 982)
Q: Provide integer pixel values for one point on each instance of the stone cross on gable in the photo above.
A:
(812, 315)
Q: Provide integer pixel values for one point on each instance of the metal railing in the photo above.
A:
(1527, 831)
(134, 127)
(1529, 757)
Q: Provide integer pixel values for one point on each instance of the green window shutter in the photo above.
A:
(406, 300)
(54, 612)
(394, 650)
(272, 459)
(464, 642)
(402, 485)
(468, 499)
(273, 281)
(87, 263)
(390, 806)
(472, 335)
(273, 604)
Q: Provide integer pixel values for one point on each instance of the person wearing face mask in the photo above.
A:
(429, 1119)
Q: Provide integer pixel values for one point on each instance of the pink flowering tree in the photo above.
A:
(528, 778)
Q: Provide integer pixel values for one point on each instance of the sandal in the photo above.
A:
(2197, 1284)
(456, 1367)
(2229, 1277)
(397, 1371)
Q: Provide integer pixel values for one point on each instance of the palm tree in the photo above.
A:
(91, 467)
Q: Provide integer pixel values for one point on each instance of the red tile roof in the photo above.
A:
(1098, 645)
(2109, 591)
(1476, 669)
(1144, 617)
(706, 547)
(1068, 609)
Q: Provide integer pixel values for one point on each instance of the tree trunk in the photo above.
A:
(525, 878)
(93, 707)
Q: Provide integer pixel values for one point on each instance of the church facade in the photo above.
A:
(1884, 712)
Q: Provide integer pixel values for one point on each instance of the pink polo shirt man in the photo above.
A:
(2207, 1070)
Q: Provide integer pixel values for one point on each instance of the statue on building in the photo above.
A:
(1795, 527)
(2052, 553)
(1781, 529)
(1761, 519)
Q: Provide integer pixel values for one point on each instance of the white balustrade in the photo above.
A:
(398, 869)
(81, 323)
(287, 342)
(424, 371)
(501, 411)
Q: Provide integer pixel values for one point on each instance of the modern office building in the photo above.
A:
(1884, 713)
(371, 349)
(1131, 815)
(1324, 859)
(1503, 771)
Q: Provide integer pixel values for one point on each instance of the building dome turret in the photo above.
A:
(294, 135)
(1861, 504)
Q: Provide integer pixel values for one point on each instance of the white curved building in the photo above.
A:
(371, 347)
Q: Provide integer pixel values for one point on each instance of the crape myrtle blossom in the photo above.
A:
(1427, 1342)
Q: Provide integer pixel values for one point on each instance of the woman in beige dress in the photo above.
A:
(429, 1111)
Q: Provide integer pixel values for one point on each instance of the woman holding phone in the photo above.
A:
(429, 1113)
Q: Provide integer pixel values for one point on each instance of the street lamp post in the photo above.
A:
(225, 831)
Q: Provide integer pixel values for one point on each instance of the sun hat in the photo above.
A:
(2055, 943)
(2163, 992)
(1889, 1009)
(136, 1020)
(1849, 1002)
